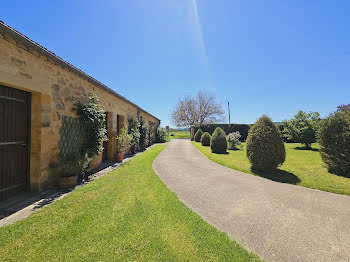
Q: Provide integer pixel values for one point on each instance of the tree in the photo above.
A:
(202, 109)
(302, 128)
(343, 108)
(265, 147)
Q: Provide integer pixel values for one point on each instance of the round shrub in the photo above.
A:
(218, 141)
(162, 135)
(334, 139)
(198, 135)
(205, 139)
(233, 140)
(265, 147)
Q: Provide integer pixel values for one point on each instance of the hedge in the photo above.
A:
(243, 129)
(210, 128)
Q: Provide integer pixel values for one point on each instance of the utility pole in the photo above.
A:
(229, 116)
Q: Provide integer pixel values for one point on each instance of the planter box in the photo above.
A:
(67, 182)
(120, 157)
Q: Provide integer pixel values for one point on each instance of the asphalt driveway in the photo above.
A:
(279, 222)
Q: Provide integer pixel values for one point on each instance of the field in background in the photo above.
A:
(180, 134)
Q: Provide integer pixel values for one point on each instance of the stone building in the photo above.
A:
(37, 90)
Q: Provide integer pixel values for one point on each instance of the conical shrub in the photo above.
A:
(219, 141)
(205, 139)
(265, 147)
(334, 139)
(198, 135)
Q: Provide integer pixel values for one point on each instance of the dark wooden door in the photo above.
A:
(14, 141)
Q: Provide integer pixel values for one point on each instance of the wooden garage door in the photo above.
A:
(14, 141)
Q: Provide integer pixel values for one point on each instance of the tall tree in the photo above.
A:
(201, 109)
(302, 128)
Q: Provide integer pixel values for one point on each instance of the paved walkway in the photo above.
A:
(277, 221)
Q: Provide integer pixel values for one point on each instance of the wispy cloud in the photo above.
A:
(198, 34)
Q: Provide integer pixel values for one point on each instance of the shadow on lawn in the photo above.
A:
(305, 148)
(278, 175)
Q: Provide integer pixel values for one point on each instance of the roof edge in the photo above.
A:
(4, 28)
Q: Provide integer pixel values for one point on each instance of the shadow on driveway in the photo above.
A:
(278, 175)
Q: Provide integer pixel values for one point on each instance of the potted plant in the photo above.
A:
(122, 143)
(69, 169)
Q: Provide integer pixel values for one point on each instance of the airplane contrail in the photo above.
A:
(199, 35)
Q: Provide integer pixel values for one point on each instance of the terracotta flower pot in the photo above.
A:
(67, 182)
(120, 157)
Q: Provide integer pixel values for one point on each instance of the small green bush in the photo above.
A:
(205, 139)
(218, 141)
(233, 140)
(265, 147)
(198, 135)
(123, 139)
(334, 139)
(162, 135)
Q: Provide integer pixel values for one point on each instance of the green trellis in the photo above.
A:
(71, 137)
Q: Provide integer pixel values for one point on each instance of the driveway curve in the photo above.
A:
(279, 222)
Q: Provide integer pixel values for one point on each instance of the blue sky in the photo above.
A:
(265, 57)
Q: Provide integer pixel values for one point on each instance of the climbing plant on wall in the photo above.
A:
(144, 134)
(134, 131)
(150, 135)
(92, 118)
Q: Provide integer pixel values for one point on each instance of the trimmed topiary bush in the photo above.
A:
(265, 147)
(218, 141)
(198, 135)
(205, 139)
(334, 139)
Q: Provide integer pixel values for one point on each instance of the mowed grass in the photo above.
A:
(302, 167)
(127, 215)
(180, 134)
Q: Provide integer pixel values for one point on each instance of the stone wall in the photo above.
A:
(55, 89)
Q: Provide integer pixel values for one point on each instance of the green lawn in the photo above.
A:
(180, 134)
(302, 167)
(127, 215)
